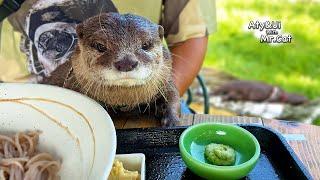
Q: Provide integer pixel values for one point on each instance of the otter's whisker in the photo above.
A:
(89, 87)
(102, 29)
(155, 107)
(97, 87)
(113, 110)
(180, 57)
(147, 107)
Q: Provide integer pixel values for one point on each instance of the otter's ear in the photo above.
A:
(79, 29)
(160, 31)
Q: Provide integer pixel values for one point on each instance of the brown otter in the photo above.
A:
(120, 60)
(257, 91)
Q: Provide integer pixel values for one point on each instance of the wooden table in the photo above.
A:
(303, 138)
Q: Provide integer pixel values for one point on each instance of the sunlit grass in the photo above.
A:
(295, 67)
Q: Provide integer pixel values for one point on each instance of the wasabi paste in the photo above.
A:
(219, 154)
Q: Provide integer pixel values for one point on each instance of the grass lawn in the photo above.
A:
(295, 67)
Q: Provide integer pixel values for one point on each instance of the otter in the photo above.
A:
(241, 90)
(121, 61)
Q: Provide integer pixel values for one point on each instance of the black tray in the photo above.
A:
(163, 160)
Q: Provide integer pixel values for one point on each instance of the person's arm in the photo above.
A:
(187, 58)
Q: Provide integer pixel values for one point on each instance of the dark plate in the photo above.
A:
(163, 160)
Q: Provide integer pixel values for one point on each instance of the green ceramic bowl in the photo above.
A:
(194, 139)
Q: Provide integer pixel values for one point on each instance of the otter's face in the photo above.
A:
(121, 50)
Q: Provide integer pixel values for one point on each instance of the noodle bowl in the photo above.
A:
(20, 160)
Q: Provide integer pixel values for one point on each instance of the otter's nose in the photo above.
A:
(126, 65)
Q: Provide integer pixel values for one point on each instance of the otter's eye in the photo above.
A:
(99, 47)
(147, 46)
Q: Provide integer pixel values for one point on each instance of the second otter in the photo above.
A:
(120, 60)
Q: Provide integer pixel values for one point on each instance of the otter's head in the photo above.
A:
(120, 50)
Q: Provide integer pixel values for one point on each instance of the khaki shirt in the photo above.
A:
(24, 60)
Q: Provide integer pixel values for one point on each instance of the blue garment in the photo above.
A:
(185, 108)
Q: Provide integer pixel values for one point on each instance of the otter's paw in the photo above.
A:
(169, 121)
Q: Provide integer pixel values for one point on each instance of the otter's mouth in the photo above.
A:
(129, 82)
(136, 77)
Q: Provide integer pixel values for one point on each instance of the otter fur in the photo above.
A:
(120, 60)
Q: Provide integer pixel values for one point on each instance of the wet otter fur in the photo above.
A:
(120, 60)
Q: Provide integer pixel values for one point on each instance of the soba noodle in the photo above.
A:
(20, 160)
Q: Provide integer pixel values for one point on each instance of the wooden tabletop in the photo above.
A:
(303, 138)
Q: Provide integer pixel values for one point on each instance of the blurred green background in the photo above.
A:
(295, 67)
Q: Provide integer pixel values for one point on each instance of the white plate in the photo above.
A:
(74, 128)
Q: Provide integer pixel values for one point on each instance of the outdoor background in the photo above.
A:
(295, 67)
